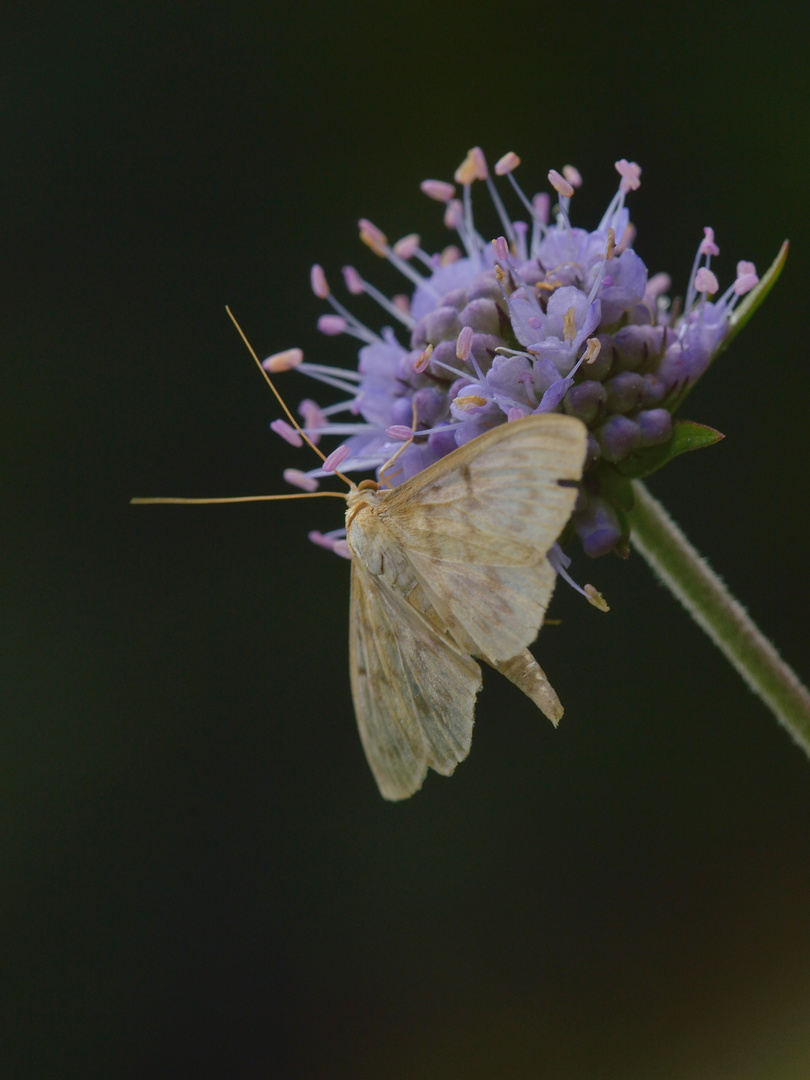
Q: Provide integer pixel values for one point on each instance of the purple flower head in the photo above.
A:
(545, 317)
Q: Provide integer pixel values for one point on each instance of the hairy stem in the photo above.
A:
(656, 536)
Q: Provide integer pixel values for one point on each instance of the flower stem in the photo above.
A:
(656, 536)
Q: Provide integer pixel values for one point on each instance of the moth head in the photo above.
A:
(364, 494)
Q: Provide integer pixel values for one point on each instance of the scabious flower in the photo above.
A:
(547, 317)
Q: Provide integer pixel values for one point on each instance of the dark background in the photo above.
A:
(198, 875)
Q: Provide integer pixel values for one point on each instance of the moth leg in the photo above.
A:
(524, 671)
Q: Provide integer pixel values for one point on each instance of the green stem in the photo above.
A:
(708, 601)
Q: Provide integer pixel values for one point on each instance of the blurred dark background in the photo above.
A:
(199, 877)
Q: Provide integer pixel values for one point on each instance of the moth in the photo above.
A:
(449, 568)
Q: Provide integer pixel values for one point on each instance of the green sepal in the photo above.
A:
(746, 308)
(686, 435)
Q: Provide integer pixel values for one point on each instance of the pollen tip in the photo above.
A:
(464, 343)
(352, 280)
(501, 248)
(423, 359)
(593, 349)
(707, 244)
(373, 237)
(506, 164)
(336, 458)
(572, 175)
(630, 172)
(300, 480)
(453, 214)
(287, 432)
(469, 401)
(560, 184)
(399, 432)
(407, 247)
(706, 281)
(596, 598)
(473, 167)
(315, 536)
(283, 361)
(439, 190)
(317, 279)
(332, 325)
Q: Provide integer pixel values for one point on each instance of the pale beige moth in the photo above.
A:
(450, 568)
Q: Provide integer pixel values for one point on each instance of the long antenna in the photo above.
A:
(281, 400)
(151, 500)
(144, 501)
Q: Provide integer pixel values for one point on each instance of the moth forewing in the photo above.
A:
(475, 528)
(497, 499)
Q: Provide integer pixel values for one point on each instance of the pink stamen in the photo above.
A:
(283, 361)
(423, 359)
(287, 432)
(473, 167)
(408, 246)
(399, 432)
(541, 205)
(515, 413)
(508, 163)
(572, 175)
(439, 190)
(452, 253)
(352, 280)
(402, 302)
(707, 244)
(464, 343)
(300, 480)
(501, 249)
(336, 458)
(332, 325)
(705, 281)
(318, 538)
(341, 547)
(746, 277)
(317, 279)
(314, 418)
(373, 237)
(454, 214)
(630, 173)
(745, 282)
(560, 184)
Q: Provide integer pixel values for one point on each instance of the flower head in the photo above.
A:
(545, 317)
